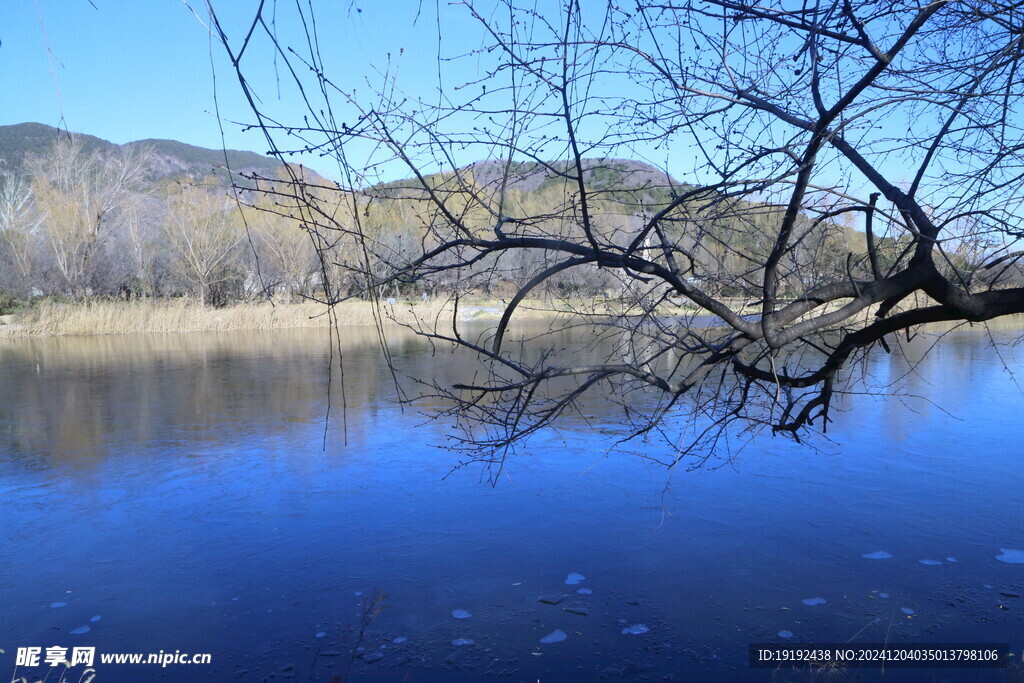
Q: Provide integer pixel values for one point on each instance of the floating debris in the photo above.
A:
(96, 618)
(584, 591)
(399, 640)
(556, 636)
(883, 595)
(551, 598)
(459, 642)
(635, 630)
(877, 555)
(930, 563)
(576, 609)
(574, 579)
(79, 631)
(1009, 555)
(320, 634)
(55, 605)
(814, 601)
(785, 634)
(950, 559)
(1010, 594)
(907, 611)
(461, 614)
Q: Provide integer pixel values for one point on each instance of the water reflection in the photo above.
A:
(86, 397)
(178, 487)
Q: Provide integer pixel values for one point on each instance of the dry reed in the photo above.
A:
(180, 315)
(183, 315)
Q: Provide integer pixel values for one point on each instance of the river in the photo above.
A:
(185, 493)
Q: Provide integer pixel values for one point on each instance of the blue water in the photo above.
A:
(180, 488)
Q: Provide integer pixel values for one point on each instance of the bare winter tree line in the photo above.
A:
(83, 224)
(900, 118)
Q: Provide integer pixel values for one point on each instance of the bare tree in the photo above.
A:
(203, 234)
(79, 195)
(141, 244)
(19, 230)
(786, 119)
(288, 259)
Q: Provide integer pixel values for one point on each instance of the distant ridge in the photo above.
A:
(171, 159)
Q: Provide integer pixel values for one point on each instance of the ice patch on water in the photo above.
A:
(461, 614)
(574, 578)
(584, 591)
(1011, 556)
(785, 634)
(79, 631)
(399, 640)
(320, 634)
(556, 636)
(950, 559)
(458, 642)
(907, 611)
(930, 563)
(814, 601)
(96, 618)
(635, 630)
(878, 555)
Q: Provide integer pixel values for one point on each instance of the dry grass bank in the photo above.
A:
(119, 317)
(181, 315)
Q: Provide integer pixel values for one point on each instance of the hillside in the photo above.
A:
(145, 243)
(170, 160)
(729, 237)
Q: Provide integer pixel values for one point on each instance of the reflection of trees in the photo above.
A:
(68, 398)
(78, 398)
(74, 399)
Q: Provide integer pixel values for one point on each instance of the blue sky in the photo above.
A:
(133, 69)
(128, 70)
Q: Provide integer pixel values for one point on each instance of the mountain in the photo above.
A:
(606, 177)
(624, 194)
(600, 174)
(170, 159)
(22, 140)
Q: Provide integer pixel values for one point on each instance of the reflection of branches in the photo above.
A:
(737, 303)
(370, 608)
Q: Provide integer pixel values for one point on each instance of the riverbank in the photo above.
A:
(181, 315)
